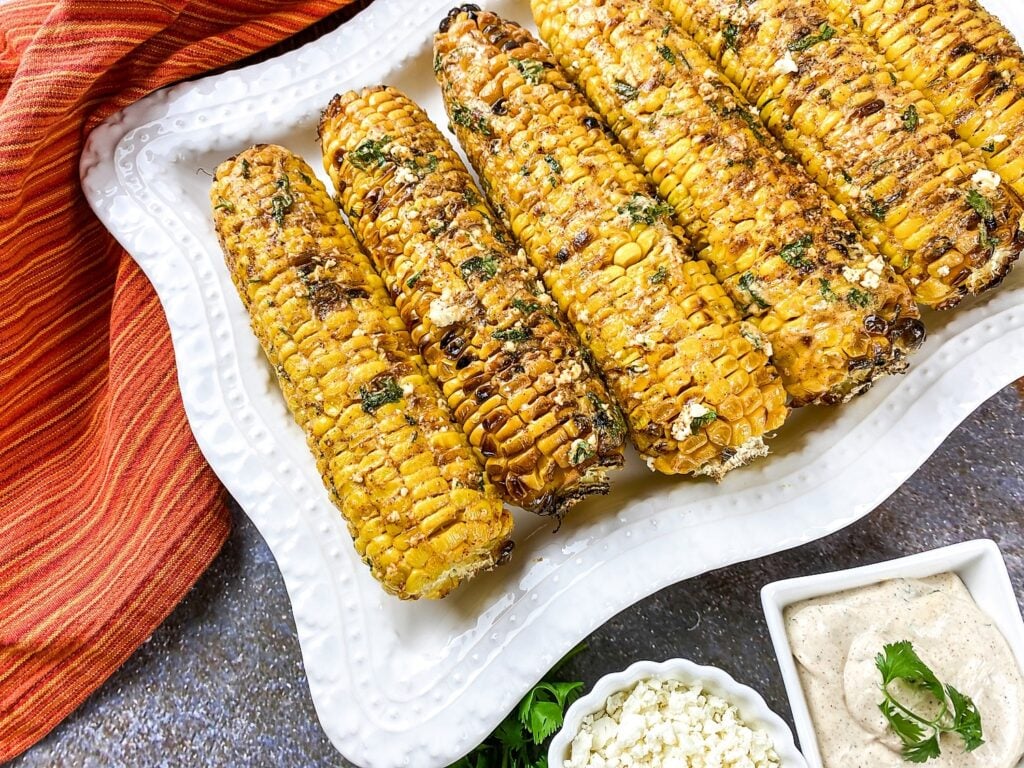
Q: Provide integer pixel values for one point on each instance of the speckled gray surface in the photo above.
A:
(221, 682)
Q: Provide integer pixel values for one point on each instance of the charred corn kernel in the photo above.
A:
(395, 464)
(836, 315)
(872, 140)
(660, 327)
(489, 332)
(964, 61)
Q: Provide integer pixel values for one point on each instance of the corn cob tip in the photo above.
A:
(718, 468)
(470, 9)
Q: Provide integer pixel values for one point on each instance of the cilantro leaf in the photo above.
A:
(921, 734)
(922, 751)
(899, 661)
(966, 719)
(909, 731)
(509, 734)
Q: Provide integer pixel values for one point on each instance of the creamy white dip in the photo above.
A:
(836, 638)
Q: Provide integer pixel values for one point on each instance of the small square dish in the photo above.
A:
(980, 566)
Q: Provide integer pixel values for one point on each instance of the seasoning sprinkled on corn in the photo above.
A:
(876, 144)
(418, 505)
(513, 373)
(694, 382)
(836, 315)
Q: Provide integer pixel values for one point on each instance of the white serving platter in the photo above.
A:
(418, 685)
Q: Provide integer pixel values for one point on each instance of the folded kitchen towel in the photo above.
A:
(108, 513)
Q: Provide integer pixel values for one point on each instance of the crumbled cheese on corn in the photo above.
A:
(444, 310)
(405, 175)
(786, 65)
(986, 181)
(671, 724)
(682, 427)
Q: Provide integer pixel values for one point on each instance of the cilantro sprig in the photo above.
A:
(520, 740)
(919, 733)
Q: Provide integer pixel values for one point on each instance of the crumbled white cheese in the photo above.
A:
(786, 65)
(986, 181)
(942, 271)
(672, 724)
(407, 389)
(999, 138)
(853, 275)
(570, 373)
(876, 265)
(682, 427)
(870, 280)
(404, 175)
(444, 310)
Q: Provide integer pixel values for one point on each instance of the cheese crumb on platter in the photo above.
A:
(672, 724)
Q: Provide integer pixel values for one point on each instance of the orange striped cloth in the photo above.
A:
(108, 513)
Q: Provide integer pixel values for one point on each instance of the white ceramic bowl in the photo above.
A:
(752, 707)
(978, 563)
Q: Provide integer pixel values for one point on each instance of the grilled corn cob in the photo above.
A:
(694, 382)
(964, 61)
(873, 141)
(514, 376)
(836, 315)
(419, 507)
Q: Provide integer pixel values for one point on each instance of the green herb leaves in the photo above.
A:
(731, 33)
(699, 422)
(467, 118)
(824, 33)
(369, 154)
(746, 283)
(920, 734)
(531, 69)
(223, 204)
(513, 334)
(982, 206)
(910, 119)
(282, 202)
(520, 740)
(794, 253)
(382, 391)
(643, 210)
(484, 267)
(626, 91)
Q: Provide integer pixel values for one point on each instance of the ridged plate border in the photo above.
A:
(418, 685)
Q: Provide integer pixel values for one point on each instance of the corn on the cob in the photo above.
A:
(514, 376)
(964, 61)
(694, 382)
(419, 507)
(836, 315)
(873, 141)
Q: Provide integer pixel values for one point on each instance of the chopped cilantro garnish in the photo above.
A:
(910, 119)
(513, 334)
(794, 253)
(385, 390)
(731, 33)
(824, 33)
(698, 423)
(643, 210)
(660, 276)
(282, 202)
(485, 267)
(531, 69)
(526, 307)
(579, 452)
(223, 204)
(746, 282)
(369, 154)
(858, 298)
(626, 91)
(467, 118)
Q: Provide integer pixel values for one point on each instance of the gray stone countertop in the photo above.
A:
(221, 682)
